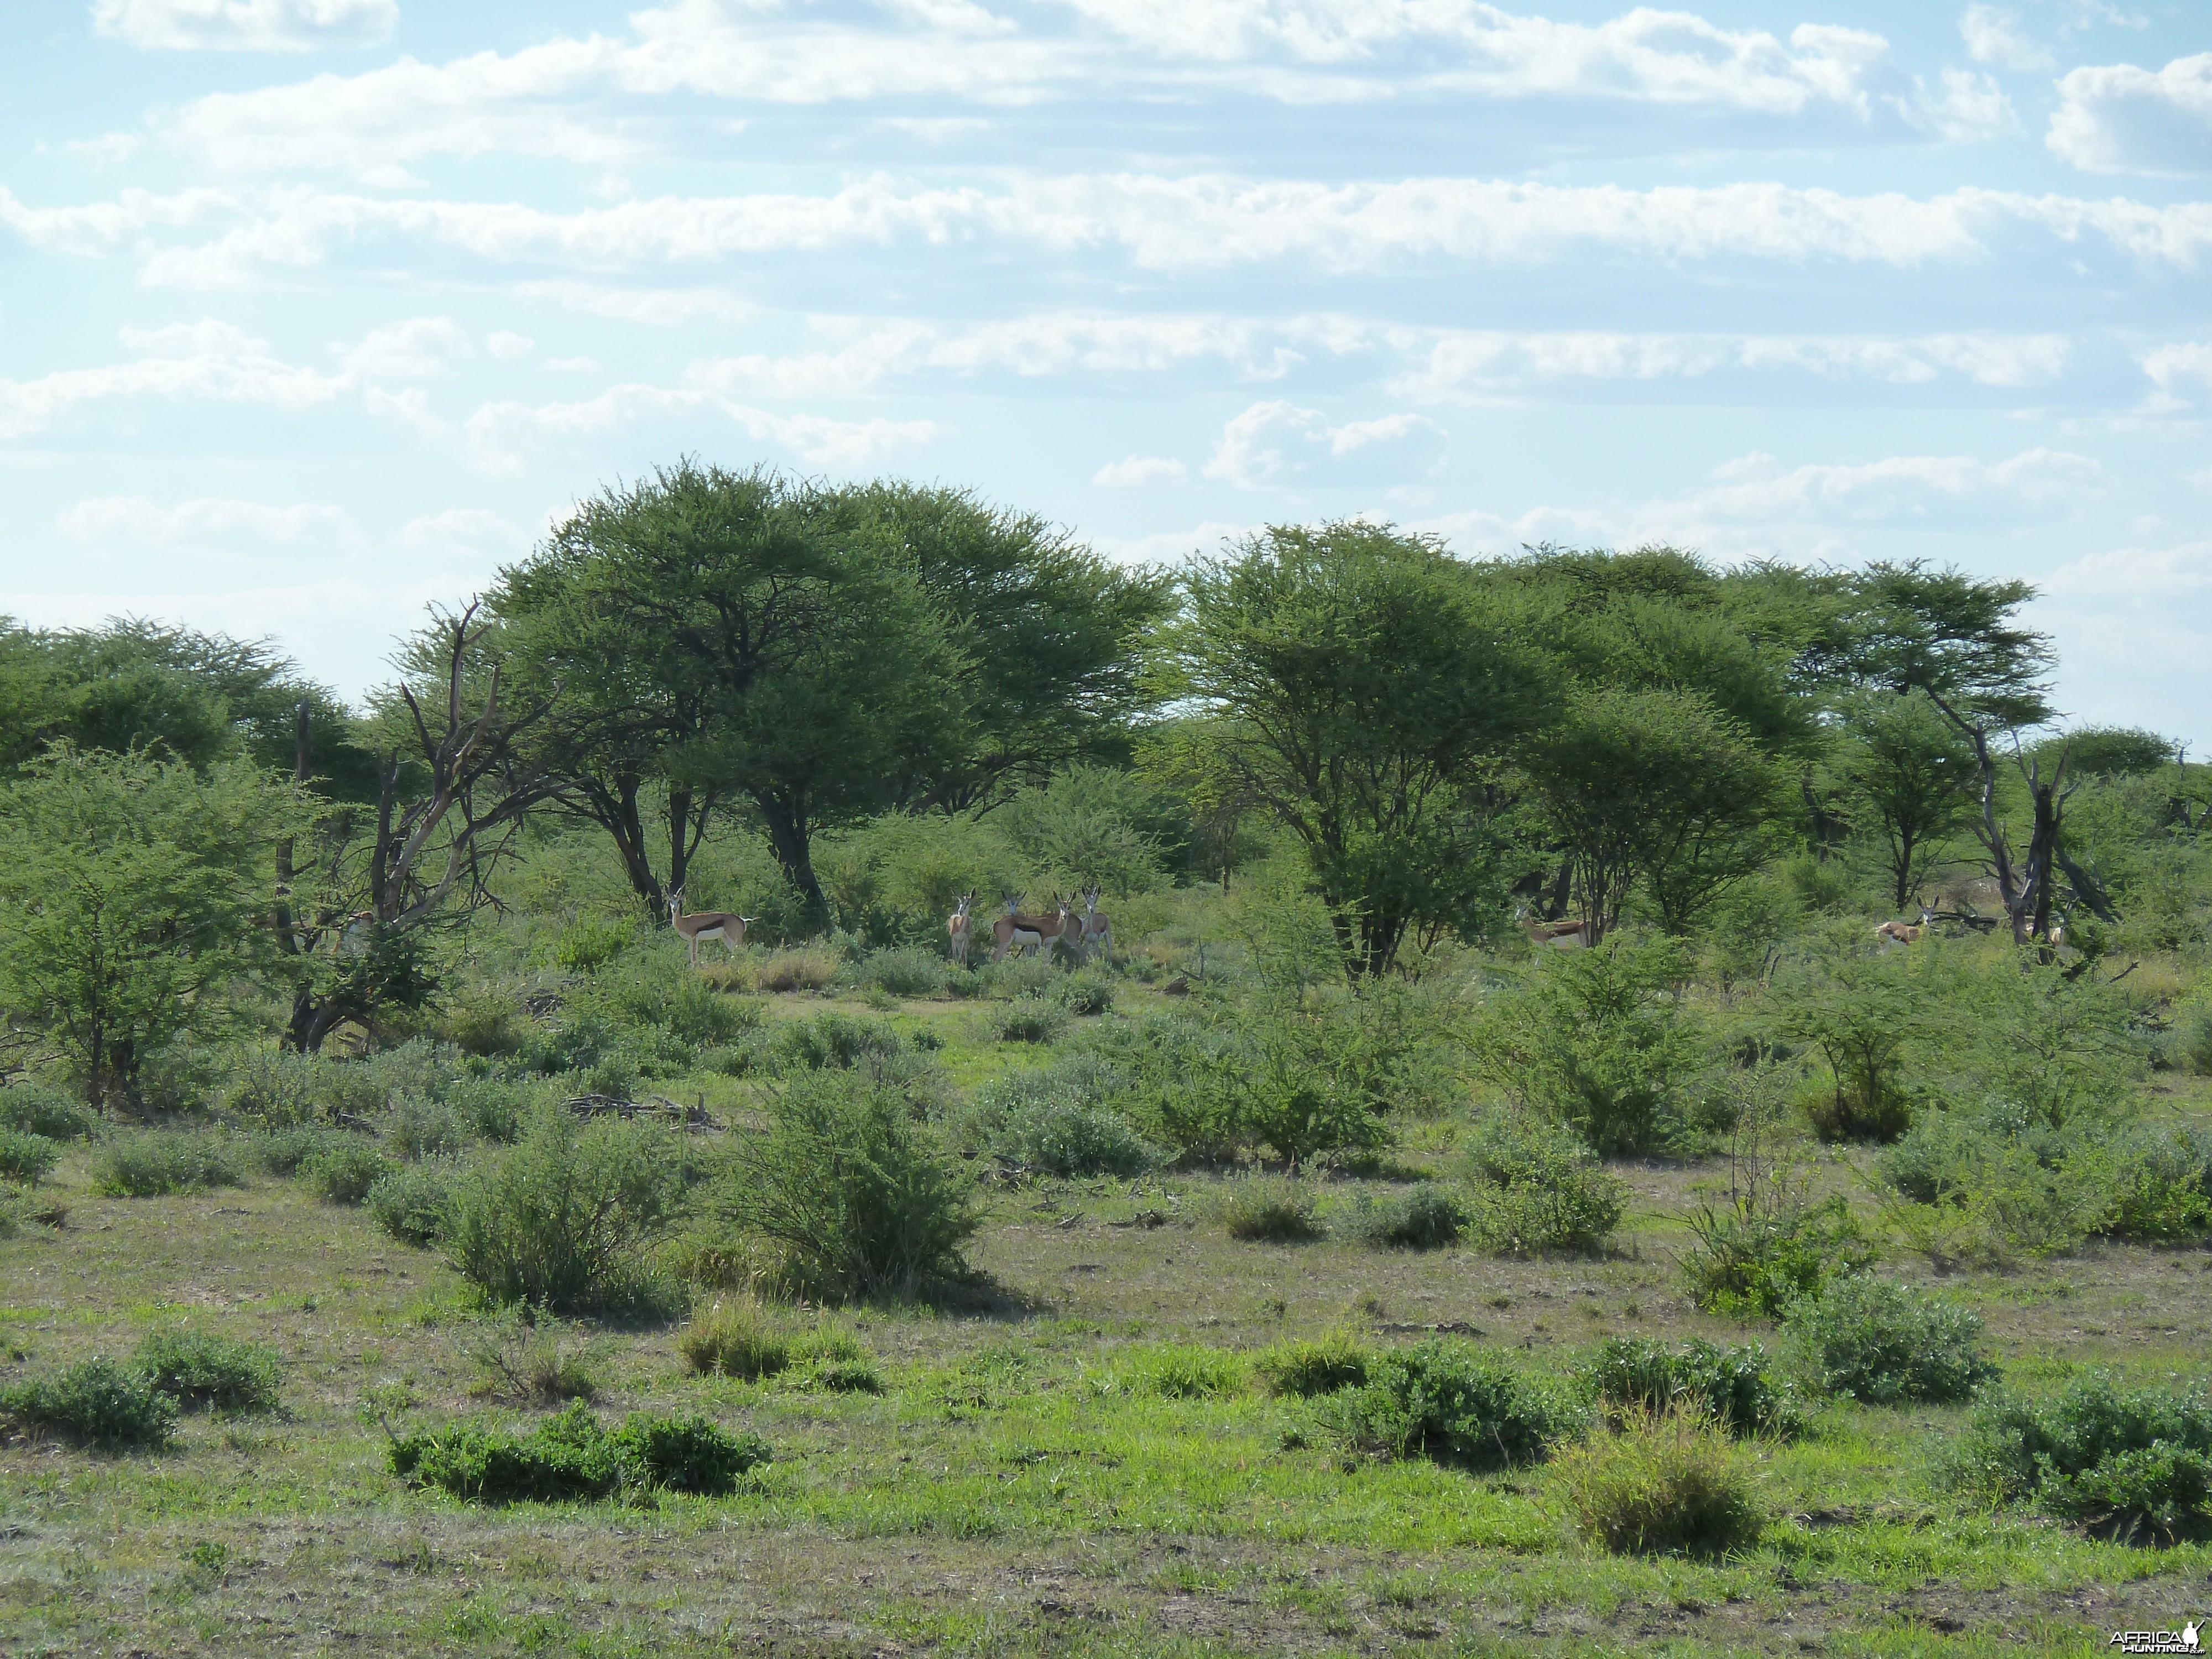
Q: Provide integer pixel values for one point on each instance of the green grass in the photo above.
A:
(1022, 1483)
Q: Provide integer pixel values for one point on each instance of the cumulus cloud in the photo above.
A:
(202, 522)
(497, 431)
(1159, 223)
(1900, 487)
(1137, 470)
(209, 360)
(2120, 119)
(244, 25)
(1993, 36)
(405, 351)
(1277, 443)
(474, 533)
(505, 343)
(2137, 575)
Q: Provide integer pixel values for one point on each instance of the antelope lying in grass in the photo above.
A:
(1899, 932)
(706, 924)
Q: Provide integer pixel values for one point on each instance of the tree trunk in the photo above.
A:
(787, 834)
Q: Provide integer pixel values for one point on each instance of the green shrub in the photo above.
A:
(1600, 1042)
(1181, 1370)
(282, 1151)
(2129, 1463)
(96, 1402)
(1428, 1218)
(735, 1337)
(1538, 1189)
(562, 1220)
(1303, 1370)
(1733, 1387)
(848, 1193)
(903, 970)
(1757, 1256)
(572, 1456)
(1086, 994)
(2162, 1186)
(343, 1171)
(149, 1164)
(1027, 1019)
(1055, 1120)
(699, 1013)
(1268, 1209)
(35, 1109)
(527, 1357)
(1999, 1183)
(1443, 1401)
(1879, 1342)
(809, 967)
(590, 943)
(25, 1157)
(575, 1044)
(417, 1129)
(1015, 977)
(493, 1108)
(831, 1359)
(197, 1368)
(832, 1040)
(1666, 1483)
(415, 1202)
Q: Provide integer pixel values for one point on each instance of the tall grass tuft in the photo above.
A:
(1268, 1209)
(1666, 1483)
(735, 1337)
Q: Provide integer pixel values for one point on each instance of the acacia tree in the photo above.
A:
(1656, 787)
(750, 639)
(131, 888)
(1362, 685)
(1910, 766)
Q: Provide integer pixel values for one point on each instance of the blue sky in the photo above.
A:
(312, 312)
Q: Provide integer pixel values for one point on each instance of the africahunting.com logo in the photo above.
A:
(2183, 1640)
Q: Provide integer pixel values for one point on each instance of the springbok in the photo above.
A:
(1018, 931)
(1899, 932)
(706, 924)
(1098, 929)
(1559, 935)
(962, 932)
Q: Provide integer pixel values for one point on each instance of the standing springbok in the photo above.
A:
(1097, 928)
(1018, 931)
(706, 924)
(961, 929)
(1899, 932)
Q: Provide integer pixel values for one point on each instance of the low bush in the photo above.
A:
(1879, 1342)
(1182, 1371)
(562, 1218)
(833, 1040)
(161, 1161)
(1268, 1209)
(737, 1338)
(1303, 1370)
(36, 1108)
(1086, 994)
(831, 1359)
(573, 1457)
(200, 1369)
(530, 1358)
(1666, 1483)
(493, 1107)
(1444, 1400)
(1538, 1189)
(27, 1158)
(415, 1202)
(1998, 1184)
(807, 969)
(96, 1402)
(417, 1129)
(2134, 1464)
(282, 1151)
(699, 1014)
(903, 970)
(1016, 977)
(2160, 1185)
(1427, 1217)
(343, 1171)
(847, 1194)
(1055, 1120)
(1027, 1019)
(1733, 1387)
(1754, 1257)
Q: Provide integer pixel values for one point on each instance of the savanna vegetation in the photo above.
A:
(1585, 1101)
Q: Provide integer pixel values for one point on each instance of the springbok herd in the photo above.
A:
(1060, 928)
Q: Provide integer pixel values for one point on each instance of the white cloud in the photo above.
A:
(1278, 443)
(661, 307)
(505, 343)
(572, 365)
(1900, 487)
(409, 408)
(1993, 36)
(405, 351)
(209, 360)
(1171, 545)
(244, 25)
(1483, 366)
(1137, 470)
(472, 531)
(2172, 368)
(1973, 107)
(2136, 575)
(2120, 119)
(496, 430)
(203, 520)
